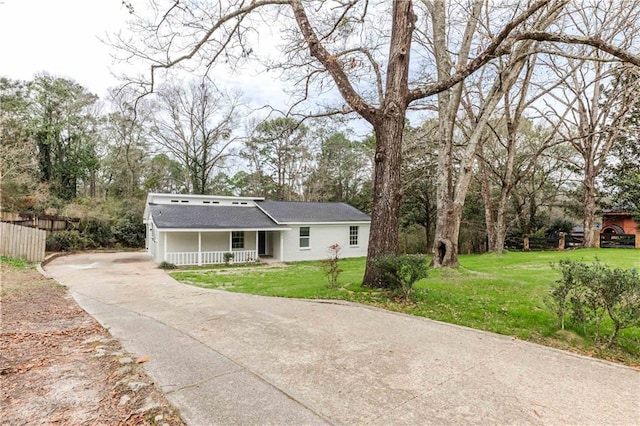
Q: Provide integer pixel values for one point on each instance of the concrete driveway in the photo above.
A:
(225, 358)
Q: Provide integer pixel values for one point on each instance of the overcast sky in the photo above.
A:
(60, 37)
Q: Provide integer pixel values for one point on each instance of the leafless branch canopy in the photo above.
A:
(345, 47)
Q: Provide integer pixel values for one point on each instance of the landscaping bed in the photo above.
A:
(59, 366)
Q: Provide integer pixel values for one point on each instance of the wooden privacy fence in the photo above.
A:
(21, 242)
(49, 223)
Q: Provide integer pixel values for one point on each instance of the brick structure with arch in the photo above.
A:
(619, 226)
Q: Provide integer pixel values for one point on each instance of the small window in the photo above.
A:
(174, 201)
(184, 201)
(235, 203)
(305, 233)
(206, 202)
(353, 235)
(237, 240)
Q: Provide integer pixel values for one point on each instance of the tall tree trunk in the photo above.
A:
(497, 230)
(445, 245)
(507, 185)
(383, 237)
(589, 207)
(454, 184)
(44, 160)
(501, 224)
(92, 185)
(389, 127)
(487, 199)
(427, 224)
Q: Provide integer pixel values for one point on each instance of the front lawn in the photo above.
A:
(500, 293)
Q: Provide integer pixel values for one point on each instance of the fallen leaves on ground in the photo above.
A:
(59, 366)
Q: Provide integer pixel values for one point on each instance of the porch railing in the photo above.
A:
(210, 257)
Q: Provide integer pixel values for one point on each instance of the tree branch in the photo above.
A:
(333, 66)
(596, 42)
(495, 48)
(203, 40)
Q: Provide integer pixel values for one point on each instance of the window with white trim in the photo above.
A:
(305, 235)
(353, 235)
(237, 240)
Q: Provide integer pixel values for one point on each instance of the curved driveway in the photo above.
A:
(225, 358)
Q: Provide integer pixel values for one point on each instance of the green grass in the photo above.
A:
(16, 263)
(500, 293)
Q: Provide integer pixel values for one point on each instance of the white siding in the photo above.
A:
(321, 237)
(182, 241)
(215, 241)
(153, 241)
(274, 244)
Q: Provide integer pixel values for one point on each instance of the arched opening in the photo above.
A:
(613, 230)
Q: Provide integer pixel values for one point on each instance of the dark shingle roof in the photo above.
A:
(212, 217)
(312, 212)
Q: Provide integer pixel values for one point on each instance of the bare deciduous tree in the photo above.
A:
(279, 151)
(195, 126)
(592, 105)
(598, 98)
(339, 43)
(125, 142)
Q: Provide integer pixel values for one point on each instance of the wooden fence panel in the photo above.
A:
(21, 242)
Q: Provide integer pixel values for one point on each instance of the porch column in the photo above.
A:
(281, 246)
(230, 241)
(199, 248)
(257, 245)
(164, 256)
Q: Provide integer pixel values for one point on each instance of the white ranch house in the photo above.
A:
(200, 229)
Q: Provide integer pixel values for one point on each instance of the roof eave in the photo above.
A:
(342, 222)
(165, 229)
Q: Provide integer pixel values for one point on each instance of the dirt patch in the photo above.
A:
(267, 267)
(132, 259)
(59, 366)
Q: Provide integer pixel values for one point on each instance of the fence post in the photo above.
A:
(596, 238)
(561, 241)
(525, 242)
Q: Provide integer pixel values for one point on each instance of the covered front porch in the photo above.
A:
(209, 247)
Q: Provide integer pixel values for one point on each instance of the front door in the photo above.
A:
(262, 243)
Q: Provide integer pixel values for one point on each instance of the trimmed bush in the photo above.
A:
(400, 273)
(167, 265)
(588, 294)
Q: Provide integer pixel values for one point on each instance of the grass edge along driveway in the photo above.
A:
(504, 294)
